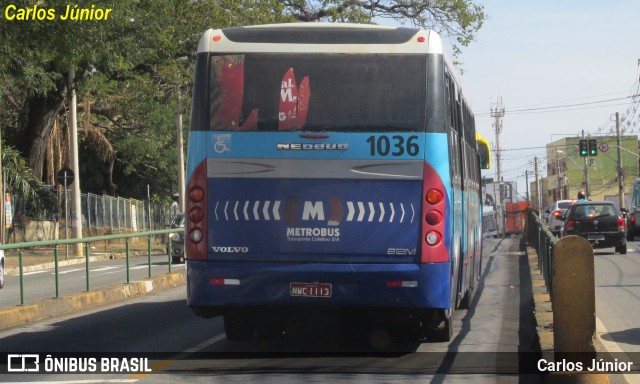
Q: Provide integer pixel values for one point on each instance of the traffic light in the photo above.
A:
(584, 148)
(593, 147)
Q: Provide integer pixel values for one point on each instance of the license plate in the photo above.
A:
(595, 237)
(310, 289)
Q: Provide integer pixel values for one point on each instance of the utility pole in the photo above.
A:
(586, 174)
(558, 175)
(181, 177)
(76, 209)
(497, 112)
(538, 197)
(620, 173)
(526, 181)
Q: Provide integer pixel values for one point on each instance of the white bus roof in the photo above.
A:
(423, 41)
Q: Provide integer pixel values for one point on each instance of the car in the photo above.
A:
(177, 240)
(556, 214)
(1, 268)
(600, 222)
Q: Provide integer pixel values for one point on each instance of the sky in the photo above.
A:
(541, 54)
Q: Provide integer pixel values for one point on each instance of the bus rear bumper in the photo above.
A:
(213, 287)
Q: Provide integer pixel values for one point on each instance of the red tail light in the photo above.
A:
(557, 214)
(632, 218)
(621, 224)
(571, 225)
(196, 227)
(434, 210)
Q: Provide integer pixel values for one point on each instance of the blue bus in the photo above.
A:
(332, 168)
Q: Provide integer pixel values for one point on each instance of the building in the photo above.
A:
(568, 172)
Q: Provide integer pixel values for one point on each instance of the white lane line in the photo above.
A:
(205, 344)
(613, 347)
(32, 273)
(68, 271)
(86, 381)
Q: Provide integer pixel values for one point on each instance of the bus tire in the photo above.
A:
(442, 334)
(238, 326)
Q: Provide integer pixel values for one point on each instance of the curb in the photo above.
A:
(49, 308)
(542, 301)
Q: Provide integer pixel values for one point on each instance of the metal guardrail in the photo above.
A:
(86, 241)
(541, 238)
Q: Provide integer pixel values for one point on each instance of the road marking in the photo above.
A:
(77, 381)
(32, 273)
(165, 363)
(613, 347)
(104, 269)
(68, 271)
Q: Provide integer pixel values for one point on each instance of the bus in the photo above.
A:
(332, 169)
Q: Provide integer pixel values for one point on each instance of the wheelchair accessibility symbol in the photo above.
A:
(222, 144)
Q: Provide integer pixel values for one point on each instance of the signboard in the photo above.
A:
(65, 174)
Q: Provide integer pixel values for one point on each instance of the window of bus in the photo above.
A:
(317, 92)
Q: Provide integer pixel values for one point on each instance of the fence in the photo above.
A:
(159, 235)
(100, 215)
(540, 237)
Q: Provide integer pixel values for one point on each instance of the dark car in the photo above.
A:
(177, 240)
(600, 222)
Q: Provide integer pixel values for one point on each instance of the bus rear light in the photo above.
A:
(422, 39)
(434, 245)
(196, 214)
(195, 235)
(433, 238)
(402, 284)
(434, 196)
(433, 217)
(217, 38)
(196, 226)
(196, 194)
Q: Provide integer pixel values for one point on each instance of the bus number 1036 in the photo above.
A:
(395, 145)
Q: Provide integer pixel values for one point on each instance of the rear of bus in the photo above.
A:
(312, 180)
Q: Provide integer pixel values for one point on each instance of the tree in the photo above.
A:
(458, 20)
(130, 68)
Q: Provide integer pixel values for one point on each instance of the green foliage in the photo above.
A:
(131, 68)
(21, 183)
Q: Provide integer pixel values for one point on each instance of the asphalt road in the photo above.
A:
(618, 297)
(185, 348)
(39, 285)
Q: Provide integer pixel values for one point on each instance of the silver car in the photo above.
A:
(556, 214)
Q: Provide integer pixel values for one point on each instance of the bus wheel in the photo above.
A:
(444, 332)
(238, 326)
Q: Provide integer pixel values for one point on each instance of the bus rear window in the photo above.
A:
(317, 92)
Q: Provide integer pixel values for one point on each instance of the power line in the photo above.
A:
(565, 105)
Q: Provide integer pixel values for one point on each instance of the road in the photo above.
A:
(40, 285)
(618, 296)
(191, 349)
